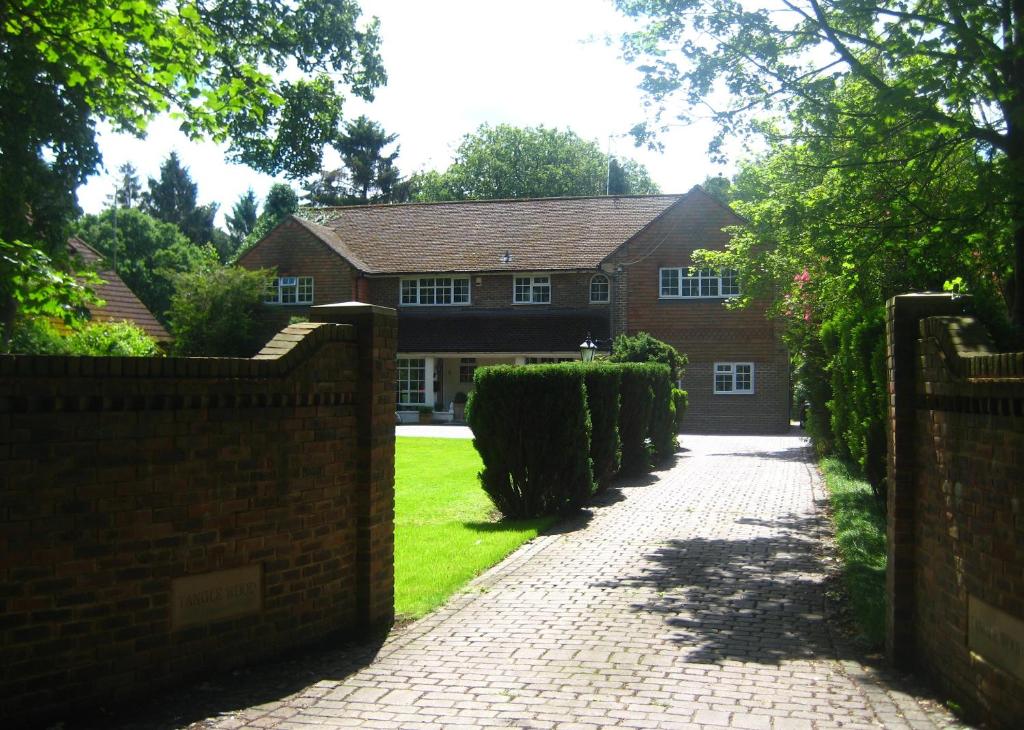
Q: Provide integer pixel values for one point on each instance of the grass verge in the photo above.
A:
(860, 537)
(445, 528)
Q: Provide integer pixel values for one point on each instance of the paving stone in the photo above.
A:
(692, 598)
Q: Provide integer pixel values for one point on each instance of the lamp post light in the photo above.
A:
(588, 348)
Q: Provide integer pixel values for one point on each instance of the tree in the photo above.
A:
(281, 202)
(172, 199)
(215, 65)
(531, 162)
(214, 308)
(617, 184)
(129, 189)
(242, 219)
(30, 287)
(949, 71)
(835, 227)
(641, 347)
(146, 253)
(367, 176)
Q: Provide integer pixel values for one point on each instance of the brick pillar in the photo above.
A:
(377, 336)
(902, 331)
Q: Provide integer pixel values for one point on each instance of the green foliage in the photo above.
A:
(172, 199)
(637, 406)
(31, 286)
(215, 66)
(603, 382)
(241, 222)
(129, 189)
(112, 339)
(860, 536)
(146, 253)
(889, 169)
(280, 203)
(532, 430)
(38, 336)
(445, 530)
(842, 222)
(526, 162)
(680, 401)
(641, 347)
(214, 309)
(367, 176)
(662, 428)
(854, 345)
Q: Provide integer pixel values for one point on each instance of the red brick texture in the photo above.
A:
(292, 250)
(956, 495)
(120, 475)
(703, 329)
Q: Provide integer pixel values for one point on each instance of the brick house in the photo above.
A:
(524, 281)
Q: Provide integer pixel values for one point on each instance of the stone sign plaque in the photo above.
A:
(203, 599)
(996, 636)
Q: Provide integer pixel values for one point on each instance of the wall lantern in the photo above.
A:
(588, 348)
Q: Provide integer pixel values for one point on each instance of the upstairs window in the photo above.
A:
(600, 290)
(734, 378)
(435, 291)
(290, 290)
(531, 290)
(685, 283)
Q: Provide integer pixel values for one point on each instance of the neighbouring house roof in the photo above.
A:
(500, 330)
(121, 302)
(548, 234)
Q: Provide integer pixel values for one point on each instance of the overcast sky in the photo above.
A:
(453, 65)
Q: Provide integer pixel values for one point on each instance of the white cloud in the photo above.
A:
(453, 65)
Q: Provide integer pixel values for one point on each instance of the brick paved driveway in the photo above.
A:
(692, 599)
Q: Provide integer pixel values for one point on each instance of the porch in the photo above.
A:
(438, 381)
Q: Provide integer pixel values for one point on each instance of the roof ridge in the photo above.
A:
(483, 201)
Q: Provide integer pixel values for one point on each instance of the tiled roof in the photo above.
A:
(500, 330)
(538, 234)
(121, 302)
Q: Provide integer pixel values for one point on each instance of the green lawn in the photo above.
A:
(446, 531)
(860, 535)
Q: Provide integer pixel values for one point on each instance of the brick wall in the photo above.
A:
(956, 506)
(703, 329)
(568, 290)
(125, 483)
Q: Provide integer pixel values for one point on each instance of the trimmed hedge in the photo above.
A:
(680, 399)
(532, 429)
(635, 416)
(663, 414)
(603, 381)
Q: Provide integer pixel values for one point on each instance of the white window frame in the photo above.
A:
(301, 287)
(404, 367)
(419, 285)
(732, 370)
(536, 280)
(467, 367)
(607, 289)
(692, 283)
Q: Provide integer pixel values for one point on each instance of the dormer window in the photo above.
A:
(289, 290)
(600, 289)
